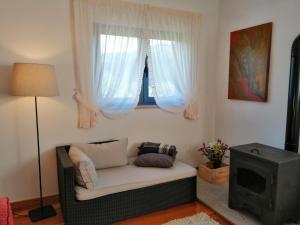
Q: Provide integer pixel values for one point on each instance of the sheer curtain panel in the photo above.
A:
(109, 54)
(173, 59)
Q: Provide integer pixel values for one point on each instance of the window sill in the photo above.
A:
(146, 107)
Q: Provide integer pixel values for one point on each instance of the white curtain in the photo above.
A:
(110, 56)
(173, 59)
(120, 63)
(111, 41)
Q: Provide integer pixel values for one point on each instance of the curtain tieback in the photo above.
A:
(78, 98)
(191, 112)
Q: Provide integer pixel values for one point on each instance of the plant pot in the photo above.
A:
(216, 164)
(214, 176)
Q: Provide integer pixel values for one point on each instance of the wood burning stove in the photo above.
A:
(265, 181)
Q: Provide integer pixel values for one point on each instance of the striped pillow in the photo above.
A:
(151, 147)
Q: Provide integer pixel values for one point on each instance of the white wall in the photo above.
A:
(239, 122)
(39, 31)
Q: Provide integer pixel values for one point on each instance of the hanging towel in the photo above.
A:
(6, 216)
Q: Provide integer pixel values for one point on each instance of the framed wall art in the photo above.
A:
(250, 51)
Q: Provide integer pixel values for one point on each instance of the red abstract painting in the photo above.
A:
(249, 63)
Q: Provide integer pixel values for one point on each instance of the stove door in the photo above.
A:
(252, 182)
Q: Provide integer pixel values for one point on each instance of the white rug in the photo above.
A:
(197, 219)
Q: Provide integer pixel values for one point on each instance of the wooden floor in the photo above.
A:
(156, 218)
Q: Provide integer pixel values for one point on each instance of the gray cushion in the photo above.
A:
(154, 160)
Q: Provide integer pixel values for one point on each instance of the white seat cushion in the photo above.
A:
(131, 177)
(105, 155)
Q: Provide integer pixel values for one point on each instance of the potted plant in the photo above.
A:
(214, 171)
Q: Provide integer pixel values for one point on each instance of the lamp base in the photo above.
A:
(41, 213)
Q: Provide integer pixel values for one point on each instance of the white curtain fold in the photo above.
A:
(111, 41)
(110, 54)
(173, 59)
(119, 69)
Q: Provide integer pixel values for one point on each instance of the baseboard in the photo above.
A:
(33, 203)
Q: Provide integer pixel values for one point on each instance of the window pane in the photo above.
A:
(118, 44)
(119, 53)
(166, 62)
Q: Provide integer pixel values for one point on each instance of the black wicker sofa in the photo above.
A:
(117, 206)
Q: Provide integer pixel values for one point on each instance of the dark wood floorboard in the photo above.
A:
(156, 218)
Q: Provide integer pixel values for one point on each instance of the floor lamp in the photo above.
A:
(35, 80)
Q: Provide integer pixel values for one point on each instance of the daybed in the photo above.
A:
(122, 192)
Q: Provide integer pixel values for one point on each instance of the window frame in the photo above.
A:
(144, 98)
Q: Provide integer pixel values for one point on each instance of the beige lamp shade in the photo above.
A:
(31, 79)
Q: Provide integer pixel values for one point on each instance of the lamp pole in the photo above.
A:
(39, 154)
(42, 212)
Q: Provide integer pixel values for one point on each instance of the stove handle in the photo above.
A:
(255, 150)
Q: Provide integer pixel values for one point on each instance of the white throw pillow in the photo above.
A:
(85, 171)
(105, 155)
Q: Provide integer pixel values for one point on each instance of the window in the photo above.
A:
(146, 95)
(111, 43)
(117, 50)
